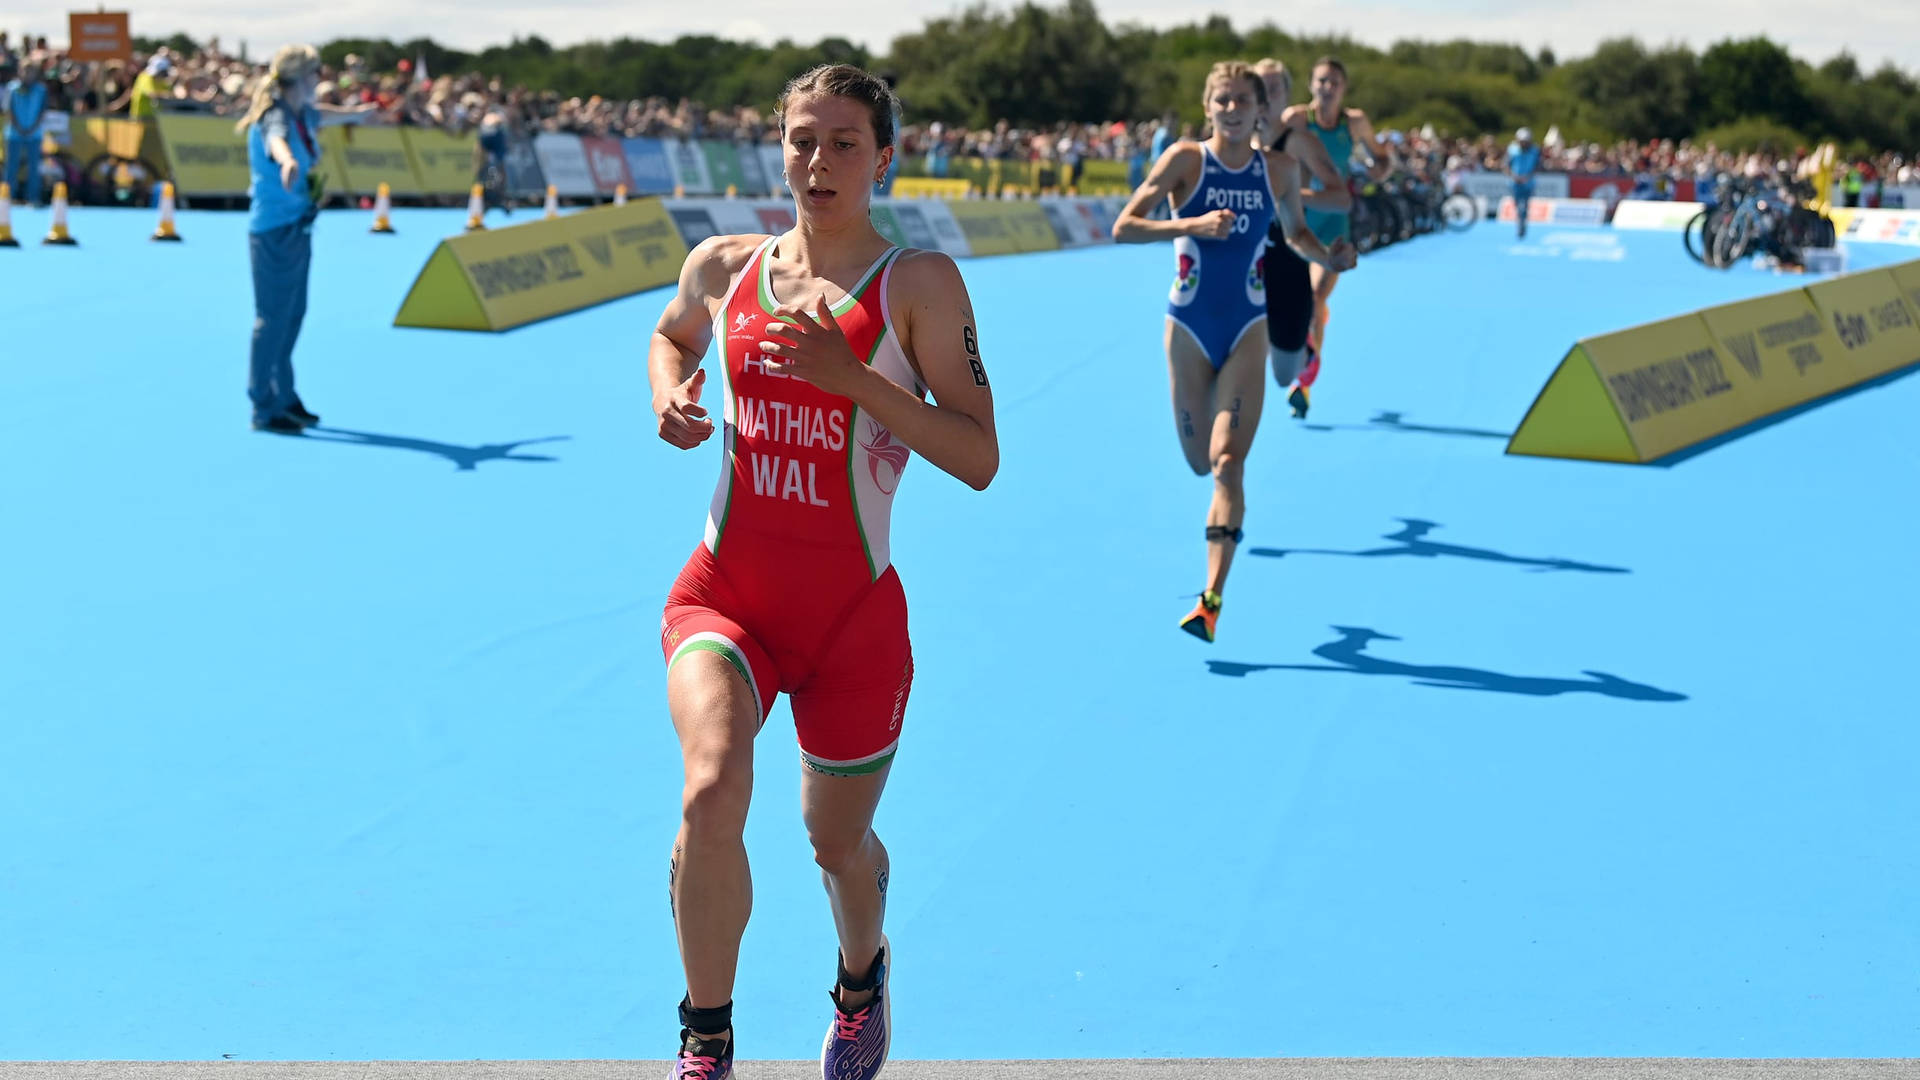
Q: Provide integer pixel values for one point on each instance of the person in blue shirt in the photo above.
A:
(282, 127)
(26, 110)
(1523, 160)
(1163, 137)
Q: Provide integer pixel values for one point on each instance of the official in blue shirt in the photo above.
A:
(1523, 160)
(283, 149)
(26, 109)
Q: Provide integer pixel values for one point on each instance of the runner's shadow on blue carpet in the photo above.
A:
(467, 458)
(1395, 421)
(1348, 655)
(1411, 541)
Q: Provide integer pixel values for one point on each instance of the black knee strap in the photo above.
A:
(706, 1021)
(1220, 534)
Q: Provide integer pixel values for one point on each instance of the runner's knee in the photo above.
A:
(1227, 468)
(1286, 363)
(839, 851)
(715, 746)
(717, 793)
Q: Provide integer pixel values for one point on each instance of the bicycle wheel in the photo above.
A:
(1734, 242)
(1387, 227)
(1787, 247)
(1362, 221)
(1693, 236)
(1459, 211)
(1403, 215)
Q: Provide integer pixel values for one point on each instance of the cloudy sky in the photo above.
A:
(1874, 30)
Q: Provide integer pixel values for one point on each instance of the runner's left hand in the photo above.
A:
(1344, 255)
(812, 347)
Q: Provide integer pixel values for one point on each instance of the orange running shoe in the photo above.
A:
(1205, 616)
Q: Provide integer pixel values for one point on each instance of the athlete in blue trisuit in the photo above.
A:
(1223, 193)
(1523, 160)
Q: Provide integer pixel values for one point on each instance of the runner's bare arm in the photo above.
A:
(1289, 212)
(1173, 176)
(1312, 153)
(941, 339)
(1364, 137)
(683, 334)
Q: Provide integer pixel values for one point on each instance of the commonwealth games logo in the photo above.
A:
(1746, 350)
(1189, 278)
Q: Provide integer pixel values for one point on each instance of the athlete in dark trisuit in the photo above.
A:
(1341, 131)
(1290, 297)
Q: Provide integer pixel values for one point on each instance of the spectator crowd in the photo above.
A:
(218, 83)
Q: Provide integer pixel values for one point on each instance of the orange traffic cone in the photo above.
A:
(382, 209)
(553, 201)
(166, 230)
(59, 234)
(477, 209)
(6, 218)
(620, 195)
(732, 192)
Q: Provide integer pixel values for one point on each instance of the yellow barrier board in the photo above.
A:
(1907, 276)
(1669, 384)
(1573, 417)
(333, 161)
(1871, 319)
(204, 154)
(366, 157)
(1783, 347)
(915, 187)
(1003, 228)
(1672, 385)
(1645, 392)
(503, 278)
(443, 162)
(1028, 224)
(94, 136)
(985, 225)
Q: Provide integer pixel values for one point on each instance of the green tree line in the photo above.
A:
(1037, 64)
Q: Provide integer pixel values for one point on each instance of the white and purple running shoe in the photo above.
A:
(857, 1043)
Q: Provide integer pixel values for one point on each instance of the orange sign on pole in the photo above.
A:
(99, 35)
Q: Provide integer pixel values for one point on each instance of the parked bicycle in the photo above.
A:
(1754, 217)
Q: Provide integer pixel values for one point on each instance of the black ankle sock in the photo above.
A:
(865, 982)
(707, 1023)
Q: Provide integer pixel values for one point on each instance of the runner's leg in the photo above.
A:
(716, 716)
(1240, 393)
(1191, 377)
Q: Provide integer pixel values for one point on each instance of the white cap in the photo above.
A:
(1524, 135)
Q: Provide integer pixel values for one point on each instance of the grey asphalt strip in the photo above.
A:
(1111, 1069)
